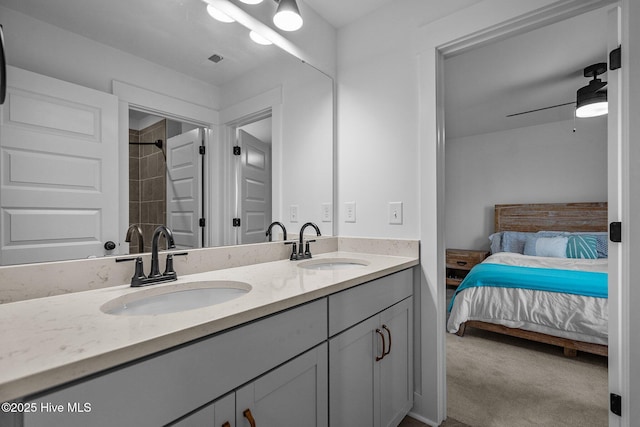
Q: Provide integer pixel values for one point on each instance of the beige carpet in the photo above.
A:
(499, 381)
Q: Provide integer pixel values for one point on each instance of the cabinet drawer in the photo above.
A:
(163, 388)
(354, 305)
(464, 259)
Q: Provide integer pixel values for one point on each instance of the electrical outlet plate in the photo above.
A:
(395, 212)
(350, 212)
(326, 212)
(293, 213)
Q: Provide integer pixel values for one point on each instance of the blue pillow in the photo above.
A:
(496, 242)
(555, 247)
(602, 245)
(582, 246)
(514, 241)
(602, 239)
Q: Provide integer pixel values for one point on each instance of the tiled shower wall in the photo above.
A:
(147, 183)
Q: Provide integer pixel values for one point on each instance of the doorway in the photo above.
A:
(252, 176)
(477, 223)
(166, 176)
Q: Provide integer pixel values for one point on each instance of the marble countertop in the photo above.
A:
(46, 342)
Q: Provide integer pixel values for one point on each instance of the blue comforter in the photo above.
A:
(587, 283)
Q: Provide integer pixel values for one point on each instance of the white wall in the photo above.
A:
(537, 164)
(388, 146)
(378, 116)
(45, 49)
(306, 154)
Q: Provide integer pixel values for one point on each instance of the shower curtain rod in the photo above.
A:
(157, 143)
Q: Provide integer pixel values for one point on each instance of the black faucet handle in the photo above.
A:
(138, 275)
(307, 251)
(168, 269)
(294, 250)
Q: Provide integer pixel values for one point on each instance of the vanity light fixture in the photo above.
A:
(287, 16)
(218, 15)
(230, 8)
(592, 99)
(259, 39)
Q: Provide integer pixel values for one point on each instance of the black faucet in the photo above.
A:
(306, 253)
(284, 230)
(135, 228)
(155, 276)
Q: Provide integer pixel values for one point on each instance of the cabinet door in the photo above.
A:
(353, 375)
(295, 394)
(221, 413)
(396, 373)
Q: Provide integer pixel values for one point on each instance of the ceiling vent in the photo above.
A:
(215, 58)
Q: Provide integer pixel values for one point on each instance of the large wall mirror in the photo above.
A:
(125, 114)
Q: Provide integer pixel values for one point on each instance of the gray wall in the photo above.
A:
(544, 163)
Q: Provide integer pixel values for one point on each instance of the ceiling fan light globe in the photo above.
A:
(591, 103)
(593, 109)
(251, 1)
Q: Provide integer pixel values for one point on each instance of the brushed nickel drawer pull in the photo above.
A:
(461, 262)
(379, 358)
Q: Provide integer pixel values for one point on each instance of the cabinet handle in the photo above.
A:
(226, 424)
(461, 263)
(379, 358)
(388, 332)
(249, 417)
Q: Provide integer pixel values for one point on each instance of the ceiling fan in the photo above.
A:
(591, 100)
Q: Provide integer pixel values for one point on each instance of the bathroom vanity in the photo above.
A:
(326, 343)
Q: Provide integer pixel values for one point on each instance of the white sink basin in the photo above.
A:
(175, 298)
(333, 264)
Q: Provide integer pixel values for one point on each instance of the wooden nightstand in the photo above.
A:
(460, 261)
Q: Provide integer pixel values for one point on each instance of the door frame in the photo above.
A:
(253, 109)
(491, 21)
(137, 98)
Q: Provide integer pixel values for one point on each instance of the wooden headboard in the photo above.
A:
(551, 217)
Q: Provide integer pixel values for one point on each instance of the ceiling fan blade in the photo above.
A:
(541, 109)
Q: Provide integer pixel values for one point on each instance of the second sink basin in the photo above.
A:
(333, 263)
(176, 298)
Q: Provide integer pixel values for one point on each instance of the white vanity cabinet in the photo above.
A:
(294, 394)
(371, 353)
(342, 360)
(221, 413)
(166, 387)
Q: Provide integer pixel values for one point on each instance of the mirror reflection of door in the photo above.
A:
(165, 182)
(58, 193)
(253, 196)
(184, 188)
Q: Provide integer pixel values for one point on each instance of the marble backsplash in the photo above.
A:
(23, 282)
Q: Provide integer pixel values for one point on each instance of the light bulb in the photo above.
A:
(218, 15)
(593, 110)
(259, 39)
(287, 16)
(287, 20)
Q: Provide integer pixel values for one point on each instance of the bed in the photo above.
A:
(546, 279)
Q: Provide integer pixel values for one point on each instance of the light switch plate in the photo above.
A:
(350, 212)
(293, 213)
(327, 212)
(395, 212)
